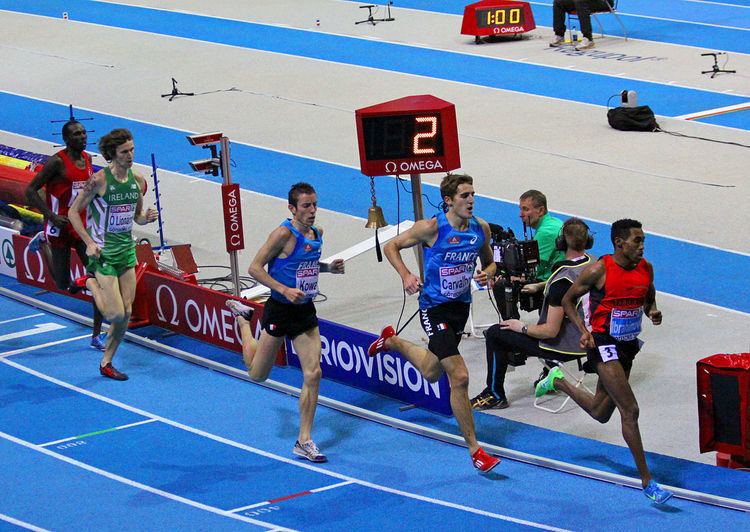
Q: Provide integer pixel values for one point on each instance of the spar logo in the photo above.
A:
(9, 258)
(202, 319)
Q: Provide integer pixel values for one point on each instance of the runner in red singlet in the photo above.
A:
(621, 290)
(63, 176)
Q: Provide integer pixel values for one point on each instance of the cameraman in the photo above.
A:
(554, 337)
(533, 213)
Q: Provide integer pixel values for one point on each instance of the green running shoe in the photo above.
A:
(547, 384)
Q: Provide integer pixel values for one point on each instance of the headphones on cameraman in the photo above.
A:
(562, 245)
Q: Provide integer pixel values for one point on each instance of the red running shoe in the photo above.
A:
(110, 372)
(378, 345)
(80, 283)
(483, 461)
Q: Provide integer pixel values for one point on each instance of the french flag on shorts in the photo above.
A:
(271, 326)
(441, 326)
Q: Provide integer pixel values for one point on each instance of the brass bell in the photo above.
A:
(375, 218)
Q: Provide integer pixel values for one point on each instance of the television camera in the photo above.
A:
(517, 261)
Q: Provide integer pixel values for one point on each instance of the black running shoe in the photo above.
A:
(487, 400)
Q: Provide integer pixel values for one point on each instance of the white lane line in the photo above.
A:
(96, 433)
(41, 346)
(295, 495)
(38, 329)
(717, 3)
(713, 112)
(22, 524)
(22, 318)
(266, 454)
(332, 486)
(133, 483)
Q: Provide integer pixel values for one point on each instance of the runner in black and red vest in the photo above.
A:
(621, 290)
(63, 176)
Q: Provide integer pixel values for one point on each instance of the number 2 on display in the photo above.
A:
(417, 149)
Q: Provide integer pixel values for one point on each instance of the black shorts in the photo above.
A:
(60, 267)
(286, 319)
(444, 325)
(608, 349)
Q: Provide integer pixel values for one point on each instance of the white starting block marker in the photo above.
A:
(38, 329)
(357, 249)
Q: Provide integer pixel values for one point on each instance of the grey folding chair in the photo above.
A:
(609, 7)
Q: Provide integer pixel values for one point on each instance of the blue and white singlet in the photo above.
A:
(301, 268)
(450, 262)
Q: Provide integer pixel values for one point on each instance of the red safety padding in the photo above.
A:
(13, 183)
(723, 416)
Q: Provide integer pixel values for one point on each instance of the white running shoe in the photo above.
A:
(36, 242)
(238, 309)
(309, 451)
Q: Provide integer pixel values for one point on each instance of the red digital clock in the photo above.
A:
(497, 17)
(411, 135)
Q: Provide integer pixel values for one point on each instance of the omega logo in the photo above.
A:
(160, 312)
(27, 265)
(413, 167)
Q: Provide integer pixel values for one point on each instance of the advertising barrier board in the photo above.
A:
(198, 312)
(344, 359)
(33, 270)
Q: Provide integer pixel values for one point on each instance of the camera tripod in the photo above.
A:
(715, 70)
(372, 20)
(176, 92)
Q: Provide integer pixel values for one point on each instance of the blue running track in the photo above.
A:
(182, 446)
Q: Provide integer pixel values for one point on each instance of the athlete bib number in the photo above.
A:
(608, 353)
(307, 281)
(455, 280)
(52, 229)
(120, 218)
(625, 324)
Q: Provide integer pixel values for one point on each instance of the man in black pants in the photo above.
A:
(553, 337)
(583, 8)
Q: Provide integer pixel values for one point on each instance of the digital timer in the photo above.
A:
(497, 17)
(416, 134)
(402, 136)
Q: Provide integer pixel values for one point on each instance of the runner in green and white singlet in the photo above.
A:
(110, 224)
(113, 200)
